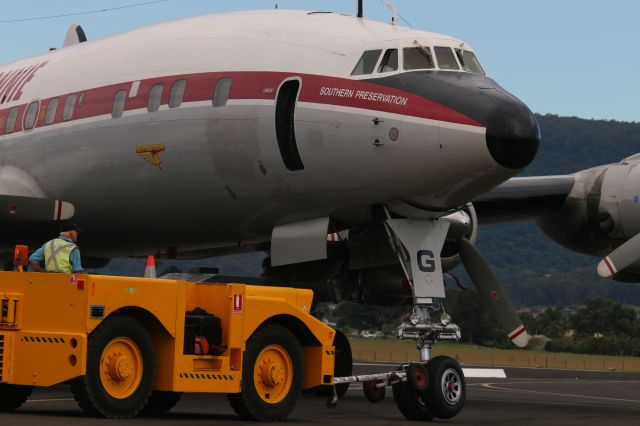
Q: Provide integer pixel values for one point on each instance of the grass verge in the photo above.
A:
(394, 350)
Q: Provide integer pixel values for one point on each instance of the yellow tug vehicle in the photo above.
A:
(133, 345)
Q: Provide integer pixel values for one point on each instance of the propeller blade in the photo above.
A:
(620, 258)
(491, 292)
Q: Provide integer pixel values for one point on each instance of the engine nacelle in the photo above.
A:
(462, 224)
(601, 212)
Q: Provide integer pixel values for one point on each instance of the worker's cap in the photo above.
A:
(67, 226)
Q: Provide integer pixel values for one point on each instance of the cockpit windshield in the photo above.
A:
(367, 62)
(446, 60)
(469, 61)
(417, 58)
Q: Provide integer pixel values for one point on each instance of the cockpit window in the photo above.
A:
(469, 61)
(417, 58)
(367, 62)
(446, 60)
(389, 61)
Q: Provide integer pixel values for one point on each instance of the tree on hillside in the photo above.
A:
(476, 322)
(606, 317)
(552, 322)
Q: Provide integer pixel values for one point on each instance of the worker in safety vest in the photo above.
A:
(60, 254)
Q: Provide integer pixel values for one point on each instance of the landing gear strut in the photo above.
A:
(433, 387)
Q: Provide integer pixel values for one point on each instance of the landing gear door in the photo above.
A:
(418, 244)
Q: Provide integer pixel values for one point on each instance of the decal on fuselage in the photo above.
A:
(364, 95)
(13, 81)
(151, 153)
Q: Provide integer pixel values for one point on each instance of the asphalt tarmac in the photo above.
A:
(525, 397)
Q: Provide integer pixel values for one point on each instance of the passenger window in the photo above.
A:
(469, 61)
(446, 60)
(221, 93)
(367, 62)
(155, 97)
(11, 120)
(389, 61)
(50, 115)
(176, 94)
(31, 115)
(69, 105)
(417, 58)
(118, 103)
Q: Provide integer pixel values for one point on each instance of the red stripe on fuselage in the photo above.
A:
(254, 85)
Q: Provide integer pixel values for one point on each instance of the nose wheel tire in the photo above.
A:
(121, 368)
(447, 391)
(417, 377)
(13, 396)
(272, 374)
(410, 402)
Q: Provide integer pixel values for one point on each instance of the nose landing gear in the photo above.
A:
(435, 386)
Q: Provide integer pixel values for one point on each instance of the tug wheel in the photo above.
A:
(447, 392)
(13, 396)
(272, 374)
(121, 369)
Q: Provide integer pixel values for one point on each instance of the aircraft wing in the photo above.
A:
(523, 198)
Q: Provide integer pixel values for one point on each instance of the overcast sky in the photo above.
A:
(566, 57)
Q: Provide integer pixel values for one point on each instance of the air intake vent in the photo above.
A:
(96, 312)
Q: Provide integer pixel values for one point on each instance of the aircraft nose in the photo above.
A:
(513, 133)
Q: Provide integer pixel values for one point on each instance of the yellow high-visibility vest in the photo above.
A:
(56, 255)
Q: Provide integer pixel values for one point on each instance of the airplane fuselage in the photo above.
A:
(207, 132)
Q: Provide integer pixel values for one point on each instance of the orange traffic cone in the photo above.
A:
(150, 269)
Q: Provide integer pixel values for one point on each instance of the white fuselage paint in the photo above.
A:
(222, 181)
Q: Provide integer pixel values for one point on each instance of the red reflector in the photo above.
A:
(237, 303)
(80, 284)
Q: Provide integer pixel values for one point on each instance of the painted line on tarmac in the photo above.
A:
(589, 404)
(569, 395)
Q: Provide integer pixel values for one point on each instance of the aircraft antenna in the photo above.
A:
(394, 10)
(359, 8)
